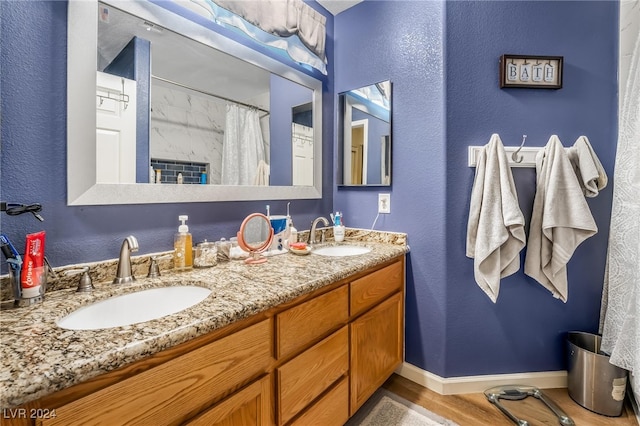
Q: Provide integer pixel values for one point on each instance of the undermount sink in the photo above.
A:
(341, 250)
(133, 308)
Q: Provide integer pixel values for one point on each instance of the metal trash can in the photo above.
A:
(593, 381)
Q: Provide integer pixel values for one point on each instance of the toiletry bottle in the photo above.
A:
(338, 228)
(293, 233)
(182, 245)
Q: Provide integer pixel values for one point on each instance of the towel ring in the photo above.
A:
(515, 157)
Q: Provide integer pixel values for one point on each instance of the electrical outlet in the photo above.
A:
(384, 203)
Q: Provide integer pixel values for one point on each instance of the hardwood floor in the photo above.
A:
(475, 410)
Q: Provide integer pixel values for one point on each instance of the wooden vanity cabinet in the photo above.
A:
(374, 347)
(178, 389)
(312, 361)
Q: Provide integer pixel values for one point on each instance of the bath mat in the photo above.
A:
(385, 408)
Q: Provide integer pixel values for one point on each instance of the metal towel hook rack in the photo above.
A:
(514, 156)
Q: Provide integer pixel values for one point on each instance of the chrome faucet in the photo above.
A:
(312, 231)
(124, 274)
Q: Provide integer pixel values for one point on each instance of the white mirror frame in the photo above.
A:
(82, 189)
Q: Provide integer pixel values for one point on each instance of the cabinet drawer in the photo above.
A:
(176, 390)
(250, 406)
(309, 374)
(299, 326)
(375, 287)
(331, 409)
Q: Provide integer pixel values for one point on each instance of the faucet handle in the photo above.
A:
(85, 285)
(154, 268)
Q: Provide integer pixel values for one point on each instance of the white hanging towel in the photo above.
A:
(495, 232)
(560, 221)
(587, 166)
(262, 174)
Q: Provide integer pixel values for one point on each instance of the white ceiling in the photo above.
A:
(337, 6)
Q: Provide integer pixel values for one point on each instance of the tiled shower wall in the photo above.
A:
(169, 170)
(187, 128)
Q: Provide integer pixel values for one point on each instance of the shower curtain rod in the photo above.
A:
(210, 94)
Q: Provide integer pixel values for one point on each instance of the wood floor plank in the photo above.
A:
(475, 410)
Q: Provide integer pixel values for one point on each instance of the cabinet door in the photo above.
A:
(250, 406)
(376, 349)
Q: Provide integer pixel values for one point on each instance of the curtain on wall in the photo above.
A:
(290, 25)
(621, 296)
(243, 159)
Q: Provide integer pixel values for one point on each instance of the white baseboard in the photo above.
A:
(475, 384)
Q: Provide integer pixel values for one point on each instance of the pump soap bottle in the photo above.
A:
(182, 245)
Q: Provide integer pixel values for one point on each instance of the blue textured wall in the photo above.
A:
(33, 163)
(452, 328)
(285, 94)
(403, 41)
(134, 63)
(525, 330)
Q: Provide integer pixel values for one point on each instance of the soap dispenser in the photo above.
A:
(182, 245)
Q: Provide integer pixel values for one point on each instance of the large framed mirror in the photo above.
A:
(189, 89)
(364, 136)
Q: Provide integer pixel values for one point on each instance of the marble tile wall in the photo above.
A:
(187, 127)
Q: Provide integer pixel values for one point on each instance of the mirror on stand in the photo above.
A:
(255, 236)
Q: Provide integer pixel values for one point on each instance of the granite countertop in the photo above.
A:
(40, 358)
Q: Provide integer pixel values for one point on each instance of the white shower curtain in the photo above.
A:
(243, 147)
(621, 296)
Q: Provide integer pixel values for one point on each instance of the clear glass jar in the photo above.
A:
(224, 247)
(206, 255)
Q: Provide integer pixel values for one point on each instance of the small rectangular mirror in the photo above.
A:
(364, 138)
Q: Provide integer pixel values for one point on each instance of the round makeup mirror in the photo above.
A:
(255, 236)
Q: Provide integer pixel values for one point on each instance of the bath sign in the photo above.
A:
(534, 72)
